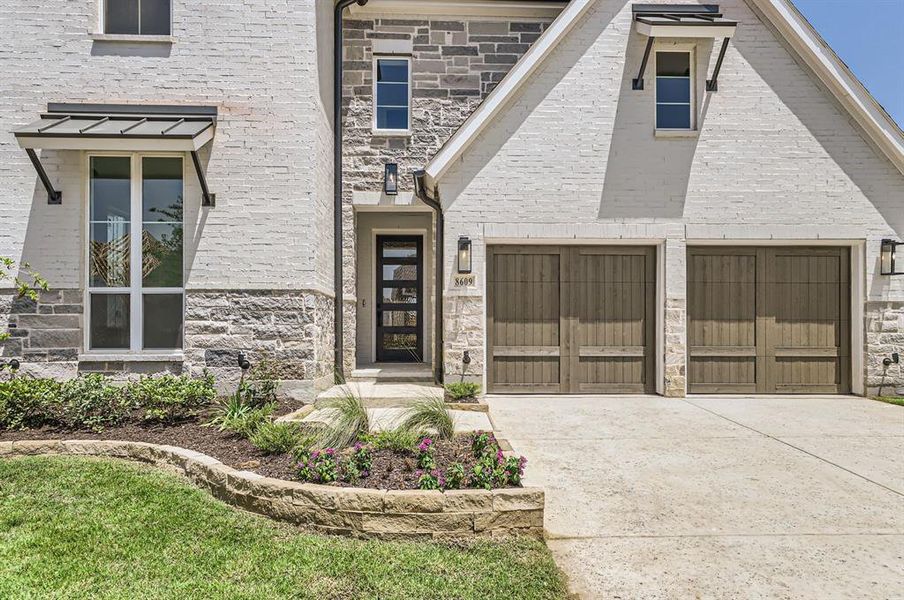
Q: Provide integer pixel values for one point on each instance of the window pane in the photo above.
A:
(161, 192)
(673, 116)
(673, 90)
(109, 321)
(110, 226)
(155, 17)
(392, 94)
(392, 118)
(121, 16)
(400, 249)
(109, 254)
(392, 70)
(162, 238)
(400, 295)
(399, 272)
(400, 341)
(673, 63)
(161, 255)
(398, 318)
(162, 321)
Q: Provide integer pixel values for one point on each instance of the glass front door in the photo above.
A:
(399, 298)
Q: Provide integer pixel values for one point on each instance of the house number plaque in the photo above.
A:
(463, 280)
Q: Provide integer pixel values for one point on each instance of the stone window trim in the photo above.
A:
(136, 289)
(376, 131)
(103, 35)
(691, 49)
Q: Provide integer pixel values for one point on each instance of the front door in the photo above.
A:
(399, 304)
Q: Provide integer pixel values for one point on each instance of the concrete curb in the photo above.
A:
(356, 512)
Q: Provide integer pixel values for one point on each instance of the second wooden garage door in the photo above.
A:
(769, 320)
(565, 319)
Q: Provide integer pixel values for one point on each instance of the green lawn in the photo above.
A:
(890, 400)
(89, 528)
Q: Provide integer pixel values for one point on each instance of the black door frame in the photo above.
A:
(391, 355)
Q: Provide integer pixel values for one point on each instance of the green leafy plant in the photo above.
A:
(260, 386)
(348, 422)
(238, 417)
(430, 480)
(91, 402)
(27, 284)
(358, 464)
(430, 414)
(318, 466)
(425, 458)
(169, 398)
(277, 438)
(462, 390)
(397, 440)
(455, 476)
(27, 402)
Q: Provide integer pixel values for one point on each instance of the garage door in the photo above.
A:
(564, 319)
(769, 320)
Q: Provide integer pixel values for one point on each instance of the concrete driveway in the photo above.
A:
(717, 497)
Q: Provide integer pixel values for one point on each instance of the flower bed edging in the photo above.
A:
(357, 512)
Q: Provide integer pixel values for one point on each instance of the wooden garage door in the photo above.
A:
(570, 319)
(769, 320)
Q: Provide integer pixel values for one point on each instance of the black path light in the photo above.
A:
(464, 254)
(391, 179)
(888, 262)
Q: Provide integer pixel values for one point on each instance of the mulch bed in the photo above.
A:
(390, 469)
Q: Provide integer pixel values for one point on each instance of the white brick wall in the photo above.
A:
(266, 65)
(575, 153)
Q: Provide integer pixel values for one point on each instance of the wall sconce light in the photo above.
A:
(888, 263)
(391, 179)
(464, 254)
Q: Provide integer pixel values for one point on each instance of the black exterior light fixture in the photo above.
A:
(391, 179)
(888, 263)
(14, 364)
(464, 255)
(243, 363)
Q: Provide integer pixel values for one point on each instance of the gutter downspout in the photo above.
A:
(420, 190)
(338, 278)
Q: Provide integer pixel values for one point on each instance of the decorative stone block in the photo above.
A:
(413, 501)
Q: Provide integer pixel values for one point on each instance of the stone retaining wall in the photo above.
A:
(357, 512)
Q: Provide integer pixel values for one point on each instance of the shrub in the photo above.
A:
(463, 389)
(169, 398)
(91, 402)
(318, 467)
(277, 438)
(430, 414)
(26, 402)
(348, 423)
(397, 440)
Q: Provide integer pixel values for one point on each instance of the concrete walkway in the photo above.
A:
(717, 497)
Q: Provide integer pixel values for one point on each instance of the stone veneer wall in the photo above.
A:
(292, 327)
(399, 514)
(455, 65)
(884, 336)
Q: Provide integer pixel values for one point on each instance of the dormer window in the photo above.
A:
(674, 90)
(392, 95)
(137, 17)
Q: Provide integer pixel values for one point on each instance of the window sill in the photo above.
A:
(131, 357)
(676, 133)
(391, 132)
(132, 39)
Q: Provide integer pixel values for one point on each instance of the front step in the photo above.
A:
(381, 394)
(393, 373)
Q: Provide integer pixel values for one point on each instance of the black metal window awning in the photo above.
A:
(117, 127)
(682, 21)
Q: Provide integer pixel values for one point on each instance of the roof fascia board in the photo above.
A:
(836, 76)
(486, 8)
(494, 103)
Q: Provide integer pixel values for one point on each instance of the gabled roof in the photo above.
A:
(789, 23)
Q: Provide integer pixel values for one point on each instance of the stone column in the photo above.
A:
(675, 384)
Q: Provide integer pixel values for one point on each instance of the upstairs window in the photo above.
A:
(135, 273)
(392, 94)
(137, 17)
(674, 91)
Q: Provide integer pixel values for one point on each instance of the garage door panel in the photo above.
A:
(785, 309)
(577, 316)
